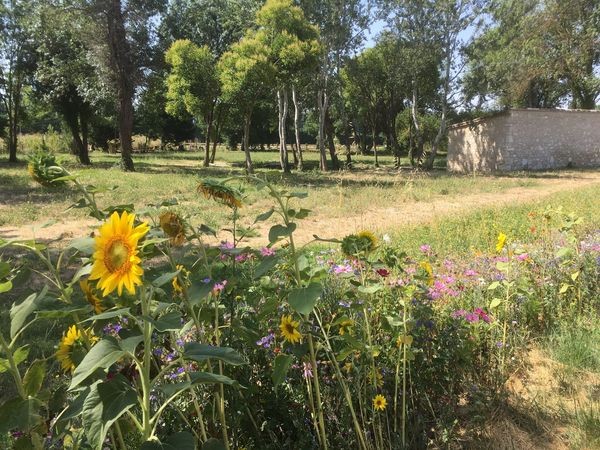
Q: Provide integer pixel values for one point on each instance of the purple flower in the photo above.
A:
(472, 317)
(523, 257)
(344, 304)
(342, 268)
(425, 248)
(219, 287)
(470, 273)
(206, 280)
(266, 341)
(482, 315)
(458, 313)
(307, 370)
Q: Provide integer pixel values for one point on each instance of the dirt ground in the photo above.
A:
(376, 219)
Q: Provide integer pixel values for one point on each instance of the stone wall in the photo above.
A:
(526, 139)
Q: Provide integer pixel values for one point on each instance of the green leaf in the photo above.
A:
(165, 278)
(109, 315)
(6, 286)
(394, 321)
(60, 309)
(75, 406)
(213, 444)
(198, 292)
(106, 402)
(303, 300)
(564, 252)
(564, 288)
(19, 313)
(34, 377)
(493, 285)
(278, 232)
(82, 272)
(372, 289)
(265, 266)
(280, 368)
(495, 303)
(102, 355)
(84, 245)
(128, 345)
(303, 213)
(5, 269)
(502, 266)
(178, 441)
(264, 216)
(20, 414)
(168, 322)
(201, 352)
(297, 195)
(195, 379)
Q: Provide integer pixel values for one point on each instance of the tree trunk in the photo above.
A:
(322, 104)
(246, 143)
(417, 128)
(375, 146)
(216, 136)
(14, 107)
(300, 162)
(282, 101)
(335, 162)
(84, 155)
(207, 140)
(124, 72)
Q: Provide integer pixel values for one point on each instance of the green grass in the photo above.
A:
(167, 175)
(577, 346)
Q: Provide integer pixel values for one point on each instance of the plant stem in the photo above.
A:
(14, 370)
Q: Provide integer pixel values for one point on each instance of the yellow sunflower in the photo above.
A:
(71, 349)
(91, 297)
(379, 402)
(361, 242)
(184, 274)
(289, 330)
(346, 326)
(426, 266)
(173, 227)
(116, 263)
(501, 242)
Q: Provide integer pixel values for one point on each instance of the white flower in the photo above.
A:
(387, 239)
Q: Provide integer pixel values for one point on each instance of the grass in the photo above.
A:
(167, 175)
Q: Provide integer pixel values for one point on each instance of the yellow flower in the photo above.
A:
(116, 263)
(345, 326)
(289, 330)
(348, 367)
(173, 227)
(91, 297)
(184, 273)
(426, 266)
(379, 402)
(501, 242)
(71, 349)
(220, 193)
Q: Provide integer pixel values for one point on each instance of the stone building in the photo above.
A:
(526, 139)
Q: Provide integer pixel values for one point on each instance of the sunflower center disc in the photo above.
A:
(117, 255)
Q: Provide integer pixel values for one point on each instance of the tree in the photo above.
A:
(15, 52)
(245, 73)
(294, 51)
(192, 85)
(64, 77)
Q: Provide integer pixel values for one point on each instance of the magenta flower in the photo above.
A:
(266, 251)
(425, 248)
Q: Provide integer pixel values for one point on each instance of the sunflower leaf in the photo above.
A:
(278, 232)
(177, 441)
(19, 313)
(165, 278)
(20, 414)
(280, 368)
(102, 355)
(303, 300)
(201, 352)
(34, 377)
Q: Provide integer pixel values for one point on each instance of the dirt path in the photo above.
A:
(375, 219)
(411, 213)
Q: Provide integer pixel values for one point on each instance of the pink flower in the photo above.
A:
(470, 273)
(425, 248)
(219, 287)
(266, 251)
(226, 245)
(523, 257)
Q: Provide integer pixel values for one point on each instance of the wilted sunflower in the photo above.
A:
(116, 263)
(220, 193)
(71, 349)
(362, 242)
(173, 227)
(289, 330)
(91, 297)
(345, 326)
(379, 402)
(378, 378)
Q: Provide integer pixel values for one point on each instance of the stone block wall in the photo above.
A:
(526, 139)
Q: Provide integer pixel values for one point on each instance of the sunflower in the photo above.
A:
(426, 266)
(345, 326)
(501, 242)
(116, 263)
(362, 242)
(379, 402)
(220, 193)
(184, 273)
(378, 378)
(173, 227)
(91, 297)
(71, 349)
(289, 330)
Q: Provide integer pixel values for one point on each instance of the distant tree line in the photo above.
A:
(288, 73)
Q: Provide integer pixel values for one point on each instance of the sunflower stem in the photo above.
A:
(14, 370)
(145, 368)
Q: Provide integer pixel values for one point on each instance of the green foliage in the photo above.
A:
(44, 168)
